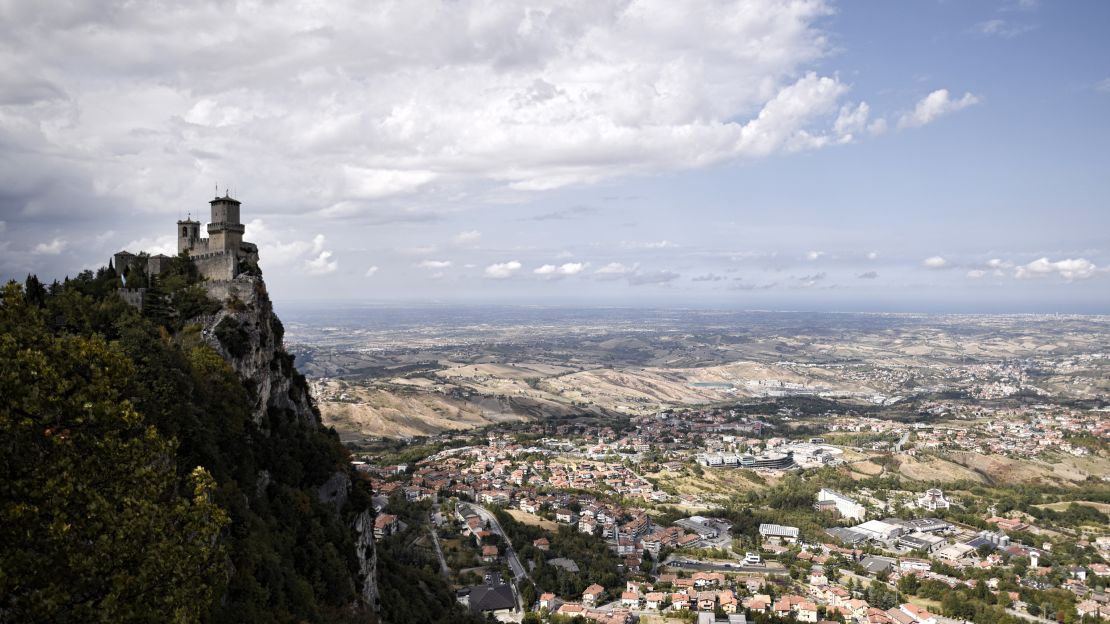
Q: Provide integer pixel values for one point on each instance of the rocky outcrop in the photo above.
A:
(367, 558)
(248, 334)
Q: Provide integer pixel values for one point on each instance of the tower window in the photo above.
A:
(185, 232)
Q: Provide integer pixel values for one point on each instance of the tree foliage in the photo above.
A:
(97, 524)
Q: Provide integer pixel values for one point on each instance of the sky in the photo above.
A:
(810, 154)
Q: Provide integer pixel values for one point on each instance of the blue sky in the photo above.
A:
(755, 154)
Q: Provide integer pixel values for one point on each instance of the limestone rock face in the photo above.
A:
(367, 558)
(248, 334)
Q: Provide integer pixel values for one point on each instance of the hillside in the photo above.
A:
(169, 464)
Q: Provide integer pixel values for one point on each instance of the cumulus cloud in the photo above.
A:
(434, 265)
(933, 106)
(569, 268)
(935, 262)
(378, 103)
(372, 271)
(165, 244)
(976, 273)
(1070, 269)
(502, 270)
(321, 264)
(52, 248)
(468, 237)
(814, 255)
(616, 269)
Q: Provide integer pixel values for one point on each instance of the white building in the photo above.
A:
(787, 534)
(845, 506)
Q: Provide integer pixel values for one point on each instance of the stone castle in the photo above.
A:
(222, 257)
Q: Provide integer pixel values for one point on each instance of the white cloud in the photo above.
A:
(434, 264)
(814, 255)
(373, 270)
(468, 237)
(851, 120)
(976, 273)
(616, 269)
(1002, 28)
(322, 264)
(935, 262)
(165, 244)
(933, 106)
(375, 104)
(367, 183)
(52, 248)
(502, 270)
(569, 268)
(1070, 269)
(872, 255)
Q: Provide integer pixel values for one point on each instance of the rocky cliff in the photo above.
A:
(247, 333)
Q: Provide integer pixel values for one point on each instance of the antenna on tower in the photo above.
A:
(217, 189)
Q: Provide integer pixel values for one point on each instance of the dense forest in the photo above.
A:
(135, 486)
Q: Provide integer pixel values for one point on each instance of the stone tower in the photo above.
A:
(225, 232)
(188, 235)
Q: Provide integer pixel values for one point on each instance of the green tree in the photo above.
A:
(97, 524)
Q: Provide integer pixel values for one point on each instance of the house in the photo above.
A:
(547, 601)
(919, 614)
(707, 601)
(728, 601)
(630, 599)
(384, 526)
(758, 602)
(489, 553)
(565, 516)
(680, 601)
(542, 544)
(807, 612)
(654, 601)
(588, 525)
(571, 610)
(497, 597)
(592, 596)
(707, 579)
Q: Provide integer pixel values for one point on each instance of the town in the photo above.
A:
(760, 512)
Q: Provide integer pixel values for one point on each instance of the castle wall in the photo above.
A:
(219, 265)
(133, 296)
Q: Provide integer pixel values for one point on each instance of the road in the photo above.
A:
(519, 573)
(693, 564)
(439, 553)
